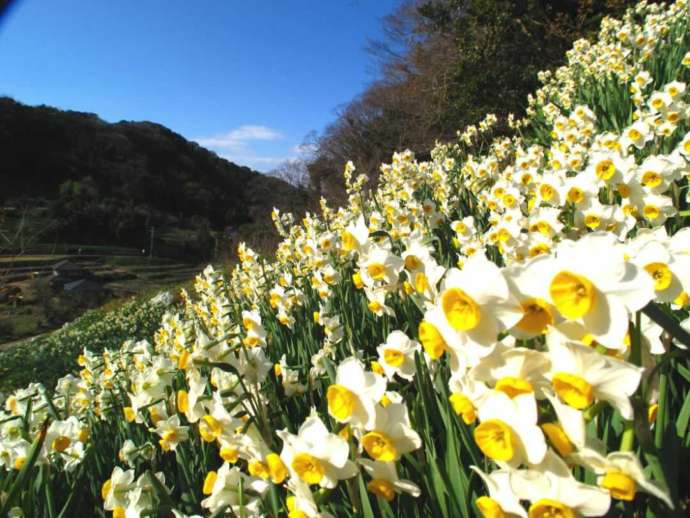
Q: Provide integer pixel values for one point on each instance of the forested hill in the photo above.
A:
(103, 181)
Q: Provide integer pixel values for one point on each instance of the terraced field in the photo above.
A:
(25, 279)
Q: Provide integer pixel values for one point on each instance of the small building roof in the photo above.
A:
(66, 266)
(83, 285)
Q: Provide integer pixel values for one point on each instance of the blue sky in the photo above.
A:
(246, 78)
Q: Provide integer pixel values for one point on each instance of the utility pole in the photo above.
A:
(153, 232)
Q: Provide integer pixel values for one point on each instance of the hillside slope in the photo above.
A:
(105, 182)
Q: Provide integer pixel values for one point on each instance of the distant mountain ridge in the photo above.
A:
(104, 181)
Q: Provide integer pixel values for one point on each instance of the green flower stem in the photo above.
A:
(661, 414)
(628, 437)
(594, 410)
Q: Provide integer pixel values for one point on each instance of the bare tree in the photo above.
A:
(403, 108)
(294, 171)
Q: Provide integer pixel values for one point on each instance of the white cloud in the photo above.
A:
(239, 137)
(263, 164)
(239, 146)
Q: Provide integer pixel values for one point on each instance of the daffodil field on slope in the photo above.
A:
(501, 331)
(49, 357)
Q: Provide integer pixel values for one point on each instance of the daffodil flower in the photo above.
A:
(621, 474)
(379, 267)
(508, 431)
(355, 393)
(193, 403)
(223, 489)
(466, 395)
(580, 376)
(391, 435)
(355, 236)
(316, 456)
(171, 433)
(114, 490)
(501, 501)
(590, 282)
(384, 481)
(553, 491)
(514, 371)
(477, 305)
(396, 356)
(301, 502)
